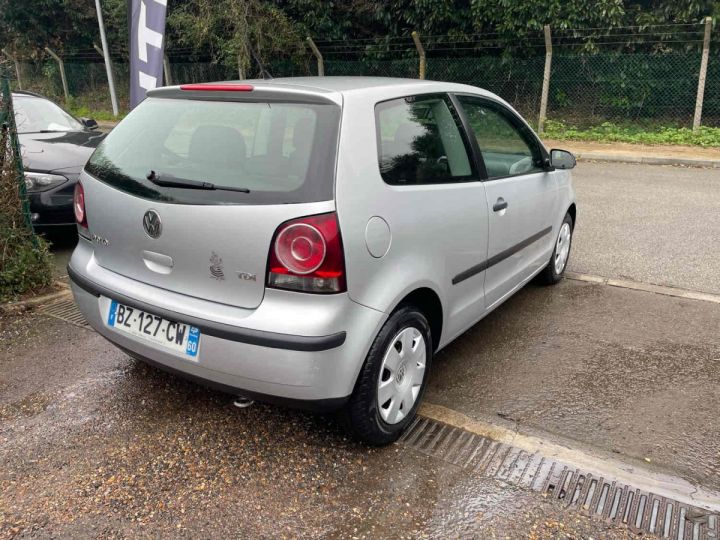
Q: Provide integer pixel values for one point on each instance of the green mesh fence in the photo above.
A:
(517, 80)
(13, 197)
(711, 104)
(639, 87)
(405, 67)
(656, 87)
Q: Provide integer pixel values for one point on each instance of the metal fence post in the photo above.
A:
(106, 55)
(17, 67)
(61, 65)
(546, 79)
(110, 77)
(421, 54)
(166, 70)
(703, 74)
(318, 55)
(241, 71)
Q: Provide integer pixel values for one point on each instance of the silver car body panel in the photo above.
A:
(201, 249)
(293, 374)
(443, 237)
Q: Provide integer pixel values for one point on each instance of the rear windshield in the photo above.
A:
(281, 152)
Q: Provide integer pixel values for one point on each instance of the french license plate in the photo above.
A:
(178, 337)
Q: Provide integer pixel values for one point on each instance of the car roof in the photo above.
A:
(348, 84)
(341, 84)
(331, 89)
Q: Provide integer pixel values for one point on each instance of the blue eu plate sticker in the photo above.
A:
(193, 340)
(111, 314)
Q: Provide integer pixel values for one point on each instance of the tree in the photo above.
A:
(236, 32)
(28, 27)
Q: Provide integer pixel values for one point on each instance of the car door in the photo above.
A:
(432, 198)
(521, 194)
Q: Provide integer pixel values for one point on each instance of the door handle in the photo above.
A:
(500, 204)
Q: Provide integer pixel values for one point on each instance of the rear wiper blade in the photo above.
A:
(168, 180)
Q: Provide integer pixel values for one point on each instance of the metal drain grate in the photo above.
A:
(641, 511)
(67, 311)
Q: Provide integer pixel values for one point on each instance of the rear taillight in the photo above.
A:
(79, 206)
(306, 255)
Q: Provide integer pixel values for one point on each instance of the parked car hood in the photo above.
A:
(48, 152)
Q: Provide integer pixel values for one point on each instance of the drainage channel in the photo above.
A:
(603, 497)
(67, 311)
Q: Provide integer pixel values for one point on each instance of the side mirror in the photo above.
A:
(562, 159)
(89, 123)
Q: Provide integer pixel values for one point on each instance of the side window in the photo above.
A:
(506, 148)
(419, 142)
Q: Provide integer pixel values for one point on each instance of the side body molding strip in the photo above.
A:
(495, 259)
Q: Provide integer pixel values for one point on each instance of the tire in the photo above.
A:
(400, 375)
(553, 272)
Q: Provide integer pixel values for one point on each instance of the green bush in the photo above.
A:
(637, 133)
(25, 262)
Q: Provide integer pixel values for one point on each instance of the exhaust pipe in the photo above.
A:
(242, 402)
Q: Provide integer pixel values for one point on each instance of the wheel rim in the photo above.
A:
(401, 375)
(562, 248)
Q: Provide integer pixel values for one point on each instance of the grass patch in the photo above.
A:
(83, 111)
(637, 134)
(95, 106)
(96, 114)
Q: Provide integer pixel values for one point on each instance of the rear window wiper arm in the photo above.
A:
(168, 180)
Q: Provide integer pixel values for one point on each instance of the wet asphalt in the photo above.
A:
(648, 223)
(95, 444)
(625, 371)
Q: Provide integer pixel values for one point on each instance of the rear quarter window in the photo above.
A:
(420, 141)
(281, 152)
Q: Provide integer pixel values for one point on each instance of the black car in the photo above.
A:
(54, 146)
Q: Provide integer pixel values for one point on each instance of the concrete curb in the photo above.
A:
(646, 287)
(23, 305)
(648, 160)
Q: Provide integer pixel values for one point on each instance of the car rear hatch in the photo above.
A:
(188, 190)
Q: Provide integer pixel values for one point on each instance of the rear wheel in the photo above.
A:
(393, 378)
(555, 269)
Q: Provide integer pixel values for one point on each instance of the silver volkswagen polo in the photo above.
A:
(314, 241)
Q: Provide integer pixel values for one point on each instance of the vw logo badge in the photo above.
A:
(152, 224)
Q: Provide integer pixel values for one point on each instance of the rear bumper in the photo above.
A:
(315, 405)
(211, 328)
(313, 367)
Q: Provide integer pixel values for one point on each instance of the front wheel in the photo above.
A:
(555, 268)
(393, 378)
